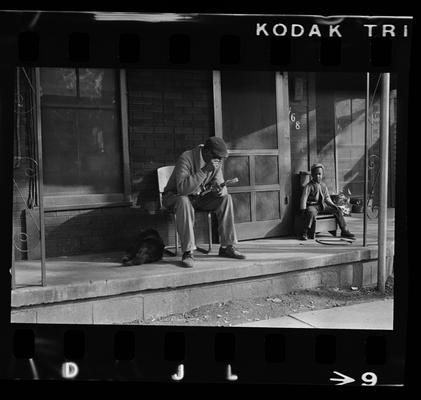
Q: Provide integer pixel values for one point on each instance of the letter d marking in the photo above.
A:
(69, 370)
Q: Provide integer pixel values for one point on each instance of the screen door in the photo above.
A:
(251, 115)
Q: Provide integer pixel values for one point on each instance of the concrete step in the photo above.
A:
(100, 291)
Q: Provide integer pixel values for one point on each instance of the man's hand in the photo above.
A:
(219, 190)
(212, 165)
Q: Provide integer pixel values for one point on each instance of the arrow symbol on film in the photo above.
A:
(343, 380)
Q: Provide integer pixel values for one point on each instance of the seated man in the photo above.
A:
(195, 170)
(315, 199)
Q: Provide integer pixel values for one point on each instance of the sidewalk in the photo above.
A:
(372, 315)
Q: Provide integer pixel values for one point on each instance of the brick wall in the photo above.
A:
(341, 116)
(100, 230)
(168, 113)
(325, 126)
(392, 148)
(350, 126)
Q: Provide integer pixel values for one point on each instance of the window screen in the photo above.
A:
(82, 151)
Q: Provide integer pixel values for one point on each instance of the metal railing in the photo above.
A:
(32, 163)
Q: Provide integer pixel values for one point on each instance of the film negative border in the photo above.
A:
(206, 41)
(173, 354)
(180, 354)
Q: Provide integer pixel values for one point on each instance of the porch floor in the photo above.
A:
(101, 275)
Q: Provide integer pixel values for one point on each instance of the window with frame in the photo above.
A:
(81, 136)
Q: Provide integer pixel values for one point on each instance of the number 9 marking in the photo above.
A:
(370, 378)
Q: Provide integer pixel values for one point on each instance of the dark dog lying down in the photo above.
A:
(149, 247)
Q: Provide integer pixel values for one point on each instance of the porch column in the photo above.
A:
(367, 113)
(384, 160)
(217, 102)
(37, 102)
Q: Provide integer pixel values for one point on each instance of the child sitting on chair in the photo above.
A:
(315, 200)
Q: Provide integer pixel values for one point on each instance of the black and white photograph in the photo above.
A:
(192, 197)
(206, 196)
(174, 190)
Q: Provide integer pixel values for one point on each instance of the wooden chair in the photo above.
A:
(322, 223)
(164, 174)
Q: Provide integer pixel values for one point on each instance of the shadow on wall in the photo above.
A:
(145, 186)
(100, 231)
(264, 138)
(355, 175)
(93, 231)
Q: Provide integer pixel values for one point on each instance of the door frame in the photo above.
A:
(284, 225)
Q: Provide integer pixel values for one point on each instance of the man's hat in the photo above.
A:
(217, 145)
(314, 166)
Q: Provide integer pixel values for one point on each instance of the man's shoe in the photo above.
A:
(188, 260)
(304, 236)
(347, 234)
(231, 252)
